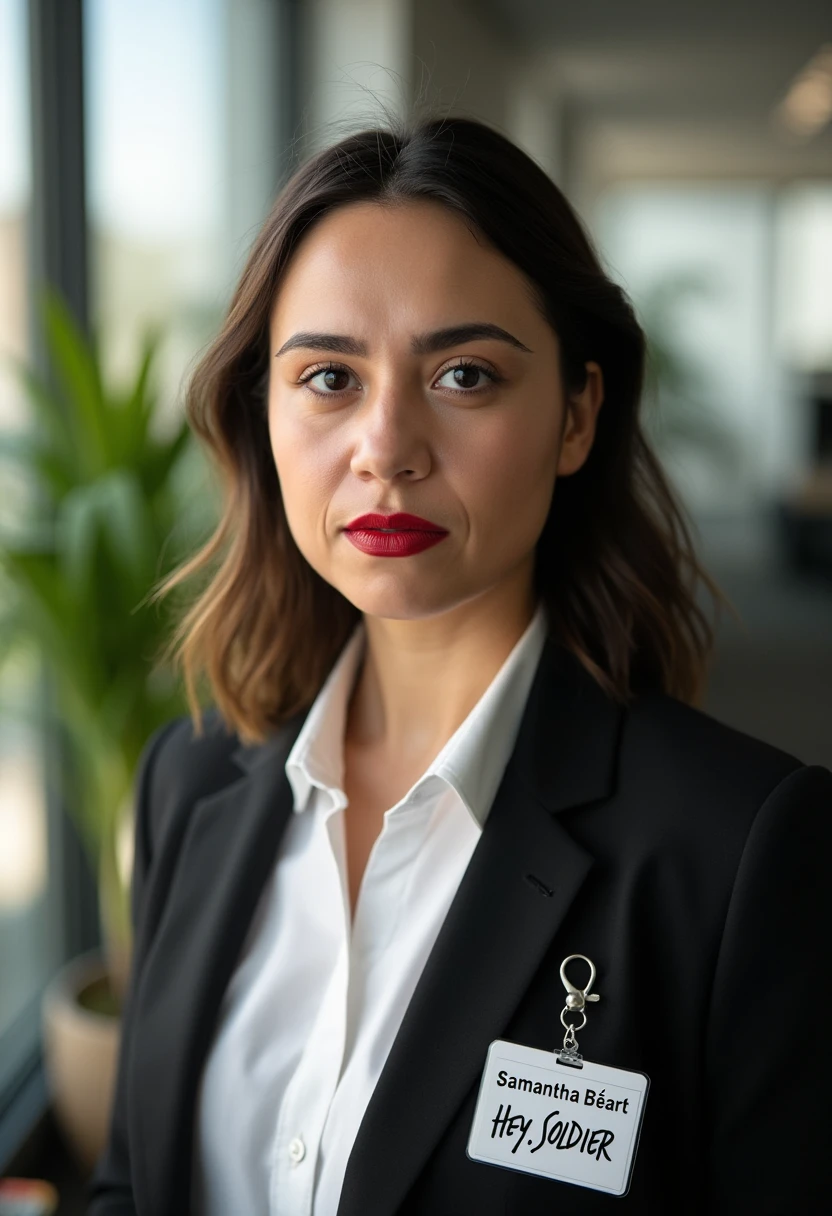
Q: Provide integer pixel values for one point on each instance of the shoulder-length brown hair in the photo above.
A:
(615, 563)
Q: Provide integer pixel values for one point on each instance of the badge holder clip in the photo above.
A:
(576, 999)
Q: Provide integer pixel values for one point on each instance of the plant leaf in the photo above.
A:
(80, 380)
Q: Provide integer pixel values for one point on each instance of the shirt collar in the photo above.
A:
(473, 759)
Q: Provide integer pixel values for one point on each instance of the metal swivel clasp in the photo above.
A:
(577, 997)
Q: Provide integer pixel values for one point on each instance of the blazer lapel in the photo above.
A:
(228, 850)
(519, 884)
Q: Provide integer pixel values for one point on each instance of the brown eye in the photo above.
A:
(327, 381)
(467, 378)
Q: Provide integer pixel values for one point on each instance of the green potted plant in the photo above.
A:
(111, 511)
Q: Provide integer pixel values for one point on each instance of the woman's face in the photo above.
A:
(412, 372)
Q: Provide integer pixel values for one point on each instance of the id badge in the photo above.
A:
(555, 1115)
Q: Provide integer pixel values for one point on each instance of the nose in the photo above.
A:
(390, 436)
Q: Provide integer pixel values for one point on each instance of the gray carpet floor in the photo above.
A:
(772, 672)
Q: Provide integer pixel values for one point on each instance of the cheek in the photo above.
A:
(510, 475)
(305, 466)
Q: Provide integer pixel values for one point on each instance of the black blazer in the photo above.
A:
(687, 859)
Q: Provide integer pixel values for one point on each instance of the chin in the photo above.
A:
(400, 603)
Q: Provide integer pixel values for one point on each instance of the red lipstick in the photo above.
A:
(396, 535)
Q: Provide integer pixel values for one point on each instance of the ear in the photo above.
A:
(580, 422)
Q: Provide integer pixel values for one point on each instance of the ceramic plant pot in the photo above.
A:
(81, 1033)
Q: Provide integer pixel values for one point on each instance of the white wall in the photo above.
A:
(364, 56)
(358, 62)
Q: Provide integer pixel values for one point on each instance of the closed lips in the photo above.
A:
(400, 521)
(396, 535)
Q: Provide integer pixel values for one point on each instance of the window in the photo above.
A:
(187, 125)
(29, 951)
(713, 268)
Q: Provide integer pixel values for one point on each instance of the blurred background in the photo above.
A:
(141, 145)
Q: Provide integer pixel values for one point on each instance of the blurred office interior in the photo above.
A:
(141, 144)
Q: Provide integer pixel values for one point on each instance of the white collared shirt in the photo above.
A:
(317, 997)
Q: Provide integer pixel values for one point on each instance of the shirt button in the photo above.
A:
(297, 1150)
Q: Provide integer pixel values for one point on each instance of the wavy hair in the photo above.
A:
(615, 564)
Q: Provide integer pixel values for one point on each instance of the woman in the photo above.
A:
(453, 744)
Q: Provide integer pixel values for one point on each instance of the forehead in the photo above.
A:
(384, 264)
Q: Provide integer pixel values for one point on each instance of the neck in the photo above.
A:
(420, 679)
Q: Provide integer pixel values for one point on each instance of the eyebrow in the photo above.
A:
(421, 344)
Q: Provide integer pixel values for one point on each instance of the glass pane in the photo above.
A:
(163, 181)
(28, 950)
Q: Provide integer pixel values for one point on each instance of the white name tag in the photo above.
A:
(577, 1125)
